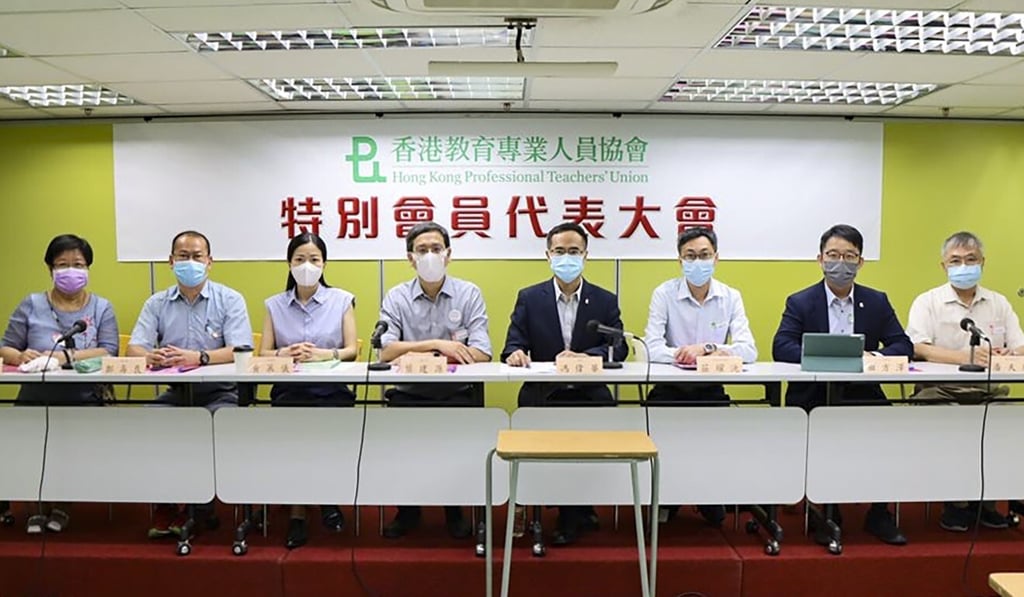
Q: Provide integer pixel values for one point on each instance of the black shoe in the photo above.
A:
(404, 521)
(991, 519)
(880, 523)
(956, 519)
(569, 526)
(667, 513)
(296, 533)
(332, 518)
(457, 525)
(714, 515)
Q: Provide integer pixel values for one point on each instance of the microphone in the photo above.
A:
(1020, 292)
(967, 325)
(378, 330)
(606, 330)
(76, 328)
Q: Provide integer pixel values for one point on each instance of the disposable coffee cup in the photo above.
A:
(242, 356)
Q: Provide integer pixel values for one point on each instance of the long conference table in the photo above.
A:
(747, 455)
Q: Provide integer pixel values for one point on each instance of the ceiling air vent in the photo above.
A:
(533, 8)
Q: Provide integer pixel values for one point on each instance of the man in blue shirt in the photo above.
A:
(194, 323)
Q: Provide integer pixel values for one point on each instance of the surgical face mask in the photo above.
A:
(430, 267)
(567, 267)
(307, 274)
(190, 273)
(839, 273)
(964, 276)
(698, 271)
(70, 280)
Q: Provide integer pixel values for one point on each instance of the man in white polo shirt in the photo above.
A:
(934, 328)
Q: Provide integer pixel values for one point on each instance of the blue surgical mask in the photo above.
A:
(698, 271)
(190, 273)
(964, 276)
(567, 267)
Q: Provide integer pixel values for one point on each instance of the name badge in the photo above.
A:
(123, 365)
(579, 365)
(885, 364)
(269, 365)
(1007, 363)
(719, 364)
(422, 364)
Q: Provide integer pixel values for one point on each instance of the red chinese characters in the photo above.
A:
(359, 219)
(304, 216)
(534, 206)
(586, 212)
(639, 217)
(693, 212)
(469, 214)
(410, 211)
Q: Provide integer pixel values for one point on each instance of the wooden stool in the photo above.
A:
(517, 446)
(1007, 584)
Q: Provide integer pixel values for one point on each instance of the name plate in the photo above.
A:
(422, 364)
(268, 365)
(1008, 363)
(719, 364)
(876, 364)
(579, 365)
(123, 365)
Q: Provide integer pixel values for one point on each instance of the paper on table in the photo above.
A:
(533, 368)
(329, 366)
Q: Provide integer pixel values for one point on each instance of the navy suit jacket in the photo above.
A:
(807, 311)
(534, 329)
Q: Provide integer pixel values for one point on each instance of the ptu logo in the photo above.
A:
(364, 149)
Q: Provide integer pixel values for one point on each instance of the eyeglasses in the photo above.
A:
(186, 256)
(436, 249)
(847, 257)
(703, 256)
(559, 251)
(966, 260)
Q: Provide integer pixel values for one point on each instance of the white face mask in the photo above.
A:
(431, 267)
(307, 274)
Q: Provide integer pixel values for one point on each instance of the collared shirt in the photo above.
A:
(457, 313)
(319, 321)
(216, 319)
(567, 306)
(676, 319)
(935, 319)
(840, 312)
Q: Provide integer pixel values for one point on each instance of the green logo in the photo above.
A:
(364, 149)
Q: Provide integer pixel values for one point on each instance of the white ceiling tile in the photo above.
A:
(369, 106)
(919, 68)
(177, 66)
(55, 5)
(1015, 114)
(992, 5)
(1011, 75)
(692, 26)
(910, 110)
(633, 62)
(83, 32)
(196, 3)
(368, 14)
(21, 114)
(191, 92)
(222, 108)
(706, 107)
(27, 71)
(242, 18)
(105, 111)
(591, 106)
(279, 63)
(413, 61)
(975, 96)
(909, 4)
(588, 89)
(837, 109)
(462, 105)
(765, 64)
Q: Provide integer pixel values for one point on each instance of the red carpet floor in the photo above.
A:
(97, 557)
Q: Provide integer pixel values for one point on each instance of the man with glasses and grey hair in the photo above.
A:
(934, 328)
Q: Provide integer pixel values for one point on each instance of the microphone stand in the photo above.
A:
(69, 351)
(971, 366)
(379, 365)
(611, 363)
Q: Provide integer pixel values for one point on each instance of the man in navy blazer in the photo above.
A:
(549, 319)
(838, 306)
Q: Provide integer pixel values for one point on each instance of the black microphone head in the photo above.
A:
(593, 324)
(382, 326)
(966, 324)
(79, 326)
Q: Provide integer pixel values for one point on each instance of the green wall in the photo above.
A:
(938, 177)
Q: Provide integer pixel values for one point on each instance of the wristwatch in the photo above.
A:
(204, 358)
(710, 347)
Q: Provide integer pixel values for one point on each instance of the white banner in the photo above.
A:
(768, 187)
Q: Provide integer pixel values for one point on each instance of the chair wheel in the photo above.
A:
(240, 548)
(539, 550)
(481, 550)
(752, 526)
(184, 548)
(7, 519)
(772, 548)
(835, 548)
(1013, 519)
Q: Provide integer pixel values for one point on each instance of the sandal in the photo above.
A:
(59, 520)
(35, 524)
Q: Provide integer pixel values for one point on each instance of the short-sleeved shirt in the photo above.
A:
(457, 313)
(216, 319)
(935, 319)
(319, 321)
(36, 324)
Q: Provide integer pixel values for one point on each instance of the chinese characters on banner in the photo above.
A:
(633, 184)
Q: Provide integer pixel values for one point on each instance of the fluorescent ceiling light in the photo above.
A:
(583, 70)
(877, 30)
(392, 88)
(362, 37)
(49, 96)
(795, 92)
